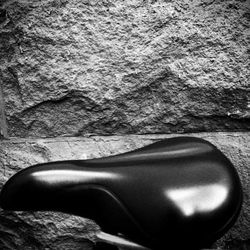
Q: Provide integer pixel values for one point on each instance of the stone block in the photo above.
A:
(3, 124)
(47, 230)
(120, 67)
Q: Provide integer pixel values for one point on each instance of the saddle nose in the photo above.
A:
(177, 193)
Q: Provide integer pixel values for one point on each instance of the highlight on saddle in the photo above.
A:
(177, 193)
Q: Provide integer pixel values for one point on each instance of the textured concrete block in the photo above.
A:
(117, 67)
(47, 230)
(3, 124)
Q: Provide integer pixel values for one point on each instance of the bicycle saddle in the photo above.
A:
(178, 193)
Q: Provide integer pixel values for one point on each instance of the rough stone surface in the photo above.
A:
(42, 230)
(78, 67)
(3, 125)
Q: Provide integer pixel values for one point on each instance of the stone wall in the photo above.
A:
(87, 78)
(77, 67)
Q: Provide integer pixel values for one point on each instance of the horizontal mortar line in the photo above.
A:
(97, 138)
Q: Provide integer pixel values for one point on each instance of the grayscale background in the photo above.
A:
(86, 78)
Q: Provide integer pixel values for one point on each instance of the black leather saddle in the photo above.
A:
(178, 193)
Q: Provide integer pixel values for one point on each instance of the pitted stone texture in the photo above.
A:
(40, 231)
(117, 67)
(59, 231)
(3, 125)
